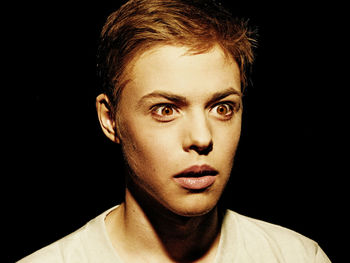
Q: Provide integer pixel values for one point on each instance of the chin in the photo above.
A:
(196, 206)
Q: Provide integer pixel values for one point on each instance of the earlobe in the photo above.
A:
(105, 117)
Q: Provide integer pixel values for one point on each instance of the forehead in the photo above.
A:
(173, 69)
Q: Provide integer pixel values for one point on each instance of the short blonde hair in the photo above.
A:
(140, 25)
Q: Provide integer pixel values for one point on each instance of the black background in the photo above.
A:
(59, 171)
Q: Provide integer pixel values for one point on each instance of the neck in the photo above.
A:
(153, 230)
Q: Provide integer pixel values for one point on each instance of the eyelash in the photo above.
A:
(230, 106)
(162, 106)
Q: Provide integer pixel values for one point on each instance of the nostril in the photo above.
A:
(202, 150)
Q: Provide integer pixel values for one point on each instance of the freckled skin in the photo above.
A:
(176, 111)
(155, 149)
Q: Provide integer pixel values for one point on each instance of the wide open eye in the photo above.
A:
(223, 110)
(164, 112)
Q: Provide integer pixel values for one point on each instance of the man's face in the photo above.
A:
(180, 121)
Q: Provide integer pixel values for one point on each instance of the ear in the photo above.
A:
(105, 116)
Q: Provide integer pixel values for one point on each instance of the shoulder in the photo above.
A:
(264, 239)
(59, 251)
(90, 243)
(266, 231)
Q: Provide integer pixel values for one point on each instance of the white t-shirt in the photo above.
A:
(242, 239)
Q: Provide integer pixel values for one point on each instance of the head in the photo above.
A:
(173, 73)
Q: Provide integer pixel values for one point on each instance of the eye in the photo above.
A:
(223, 111)
(164, 112)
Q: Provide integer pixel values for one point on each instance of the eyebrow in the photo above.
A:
(223, 94)
(163, 94)
(183, 101)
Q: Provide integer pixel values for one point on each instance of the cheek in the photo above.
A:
(146, 146)
(226, 142)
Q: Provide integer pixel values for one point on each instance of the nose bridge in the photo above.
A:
(199, 132)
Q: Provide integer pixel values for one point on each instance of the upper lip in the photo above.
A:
(197, 171)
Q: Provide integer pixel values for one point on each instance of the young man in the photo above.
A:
(173, 73)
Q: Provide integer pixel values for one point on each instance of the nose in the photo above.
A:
(198, 136)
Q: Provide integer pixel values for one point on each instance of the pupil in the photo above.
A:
(222, 110)
(167, 111)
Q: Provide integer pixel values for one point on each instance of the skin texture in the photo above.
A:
(178, 110)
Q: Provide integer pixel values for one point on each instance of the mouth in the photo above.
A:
(196, 177)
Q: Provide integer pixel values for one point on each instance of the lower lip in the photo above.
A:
(195, 183)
